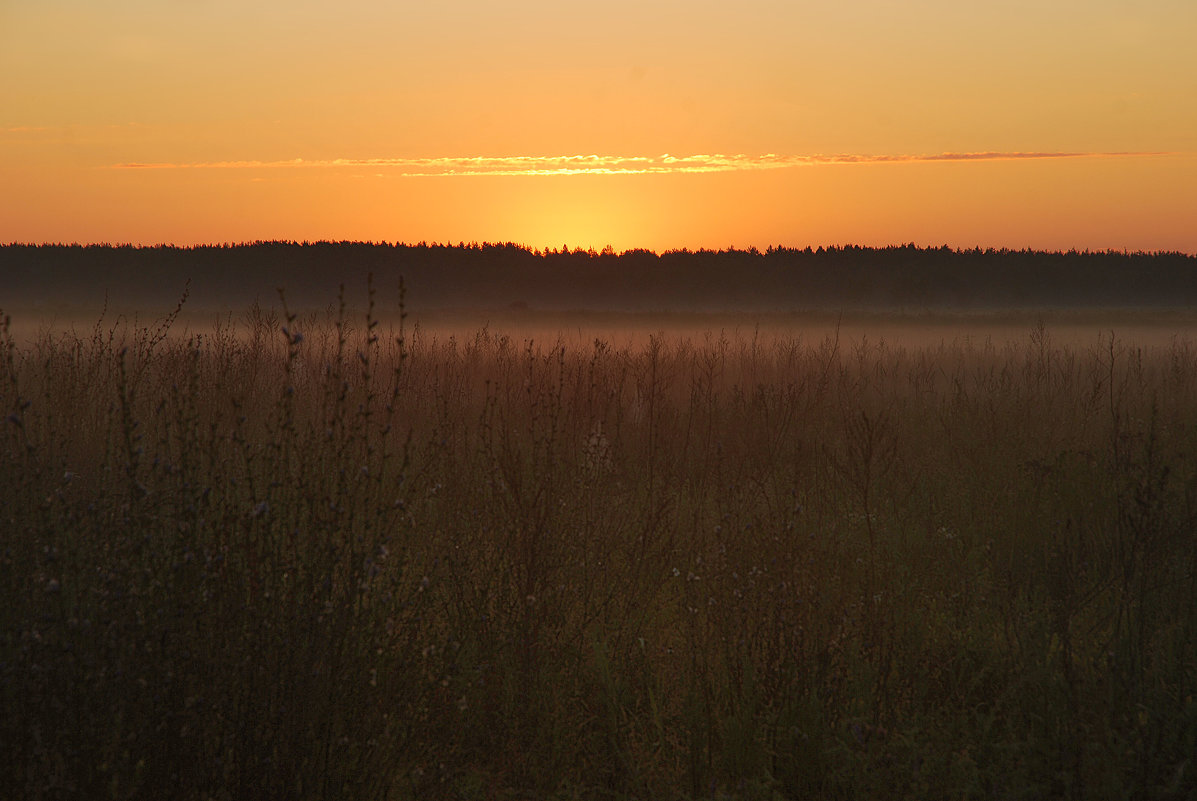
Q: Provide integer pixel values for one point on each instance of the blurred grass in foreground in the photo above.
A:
(310, 558)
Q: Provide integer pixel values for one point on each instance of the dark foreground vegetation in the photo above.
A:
(496, 275)
(304, 558)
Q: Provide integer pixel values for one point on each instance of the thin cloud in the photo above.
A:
(613, 165)
(988, 155)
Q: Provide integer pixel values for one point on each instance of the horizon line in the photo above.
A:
(547, 250)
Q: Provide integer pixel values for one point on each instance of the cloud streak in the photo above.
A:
(614, 165)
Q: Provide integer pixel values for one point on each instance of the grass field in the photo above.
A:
(321, 556)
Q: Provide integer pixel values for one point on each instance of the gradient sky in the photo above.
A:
(654, 123)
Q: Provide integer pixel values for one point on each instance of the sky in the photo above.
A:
(1053, 124)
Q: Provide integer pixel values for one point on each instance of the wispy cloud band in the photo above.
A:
(613, 165)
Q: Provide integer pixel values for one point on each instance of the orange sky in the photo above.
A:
(638, 124)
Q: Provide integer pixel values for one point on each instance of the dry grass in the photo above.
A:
(307, 558)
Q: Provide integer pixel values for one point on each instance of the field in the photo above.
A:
(342, 555)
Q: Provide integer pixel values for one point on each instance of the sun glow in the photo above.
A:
(590, 215)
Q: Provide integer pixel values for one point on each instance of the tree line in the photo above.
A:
(498, 275)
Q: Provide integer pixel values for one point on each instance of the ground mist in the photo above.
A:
(322, 557)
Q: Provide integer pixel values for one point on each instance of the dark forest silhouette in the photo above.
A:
(509, 275)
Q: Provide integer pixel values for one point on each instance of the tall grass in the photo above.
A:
(313, 558)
